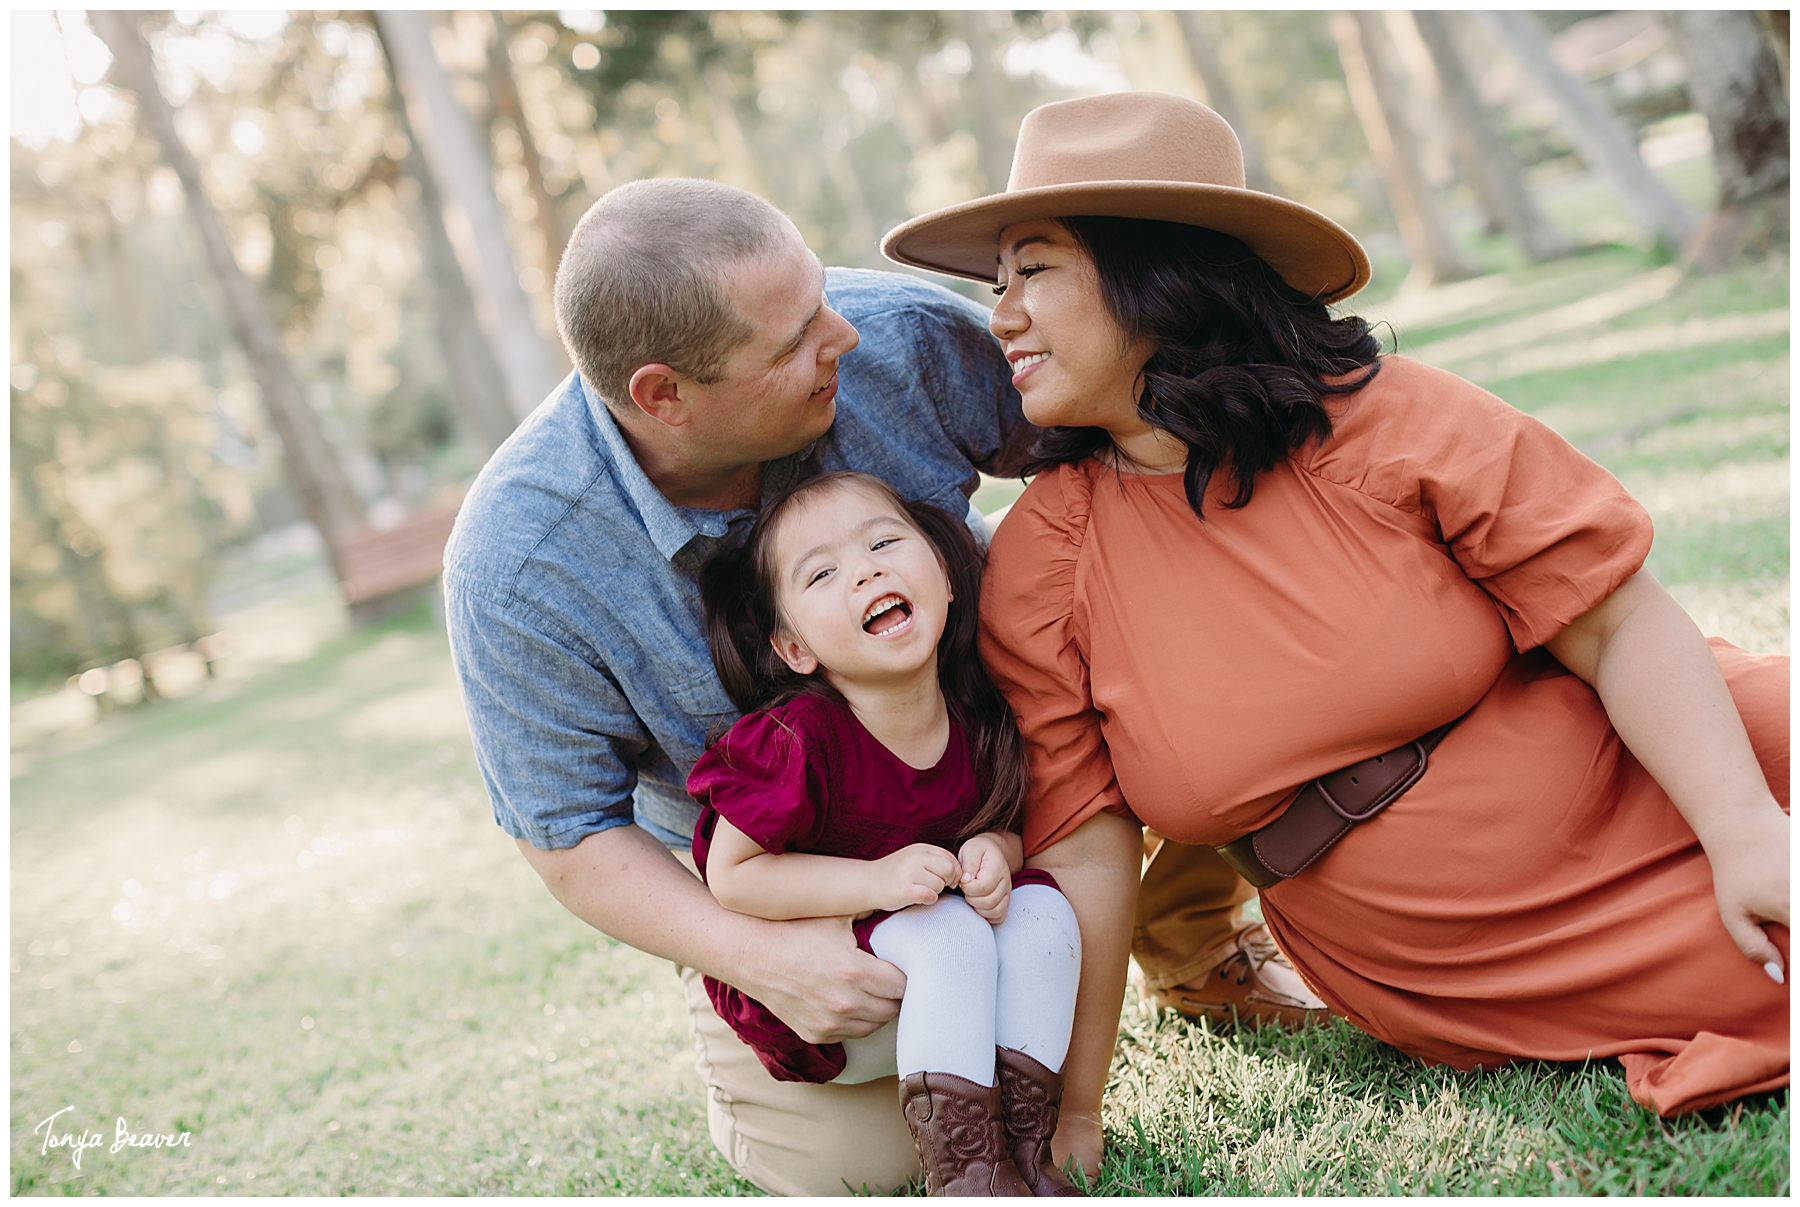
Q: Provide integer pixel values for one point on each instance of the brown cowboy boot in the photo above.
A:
(962, 1145)
(1030, 1096)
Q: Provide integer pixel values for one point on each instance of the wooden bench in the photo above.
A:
(382, 567)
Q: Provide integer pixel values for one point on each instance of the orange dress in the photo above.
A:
(1536, 895)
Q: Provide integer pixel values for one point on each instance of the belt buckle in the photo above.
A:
(1387, 797)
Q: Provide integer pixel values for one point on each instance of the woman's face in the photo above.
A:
(1071, 362)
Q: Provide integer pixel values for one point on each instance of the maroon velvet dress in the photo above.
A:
(806, 776)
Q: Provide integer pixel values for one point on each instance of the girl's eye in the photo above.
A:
(818, 574)
(884, 542)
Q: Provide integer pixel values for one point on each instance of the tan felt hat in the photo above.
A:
(1135, 155)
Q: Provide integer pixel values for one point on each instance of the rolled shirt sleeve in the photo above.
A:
(556, 740)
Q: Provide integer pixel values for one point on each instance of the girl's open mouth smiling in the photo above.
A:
(886, 616)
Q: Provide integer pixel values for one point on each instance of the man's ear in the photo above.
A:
(793, 651)
(656, 389)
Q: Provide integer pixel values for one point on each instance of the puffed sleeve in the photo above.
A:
(768, 777)
(1545, 531)
(1032, 648)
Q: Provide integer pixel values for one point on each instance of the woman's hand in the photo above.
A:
(1078, 1136)
(914, 875)
(1750, 881)
(1098, 868)
(987, 867)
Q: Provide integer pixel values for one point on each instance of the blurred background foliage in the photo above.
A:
(143, 458)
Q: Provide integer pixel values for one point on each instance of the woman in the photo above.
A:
(1257, 552)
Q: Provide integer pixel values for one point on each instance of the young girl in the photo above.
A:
(877, 773)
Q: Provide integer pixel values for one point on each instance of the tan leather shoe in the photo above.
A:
(1254, 984)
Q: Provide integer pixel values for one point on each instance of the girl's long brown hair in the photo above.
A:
(737, 588)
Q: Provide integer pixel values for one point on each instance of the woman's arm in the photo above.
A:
(749, 880)
(1663, 691)
(1098, 867)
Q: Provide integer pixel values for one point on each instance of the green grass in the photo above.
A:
(1331, 1111)
(195, 881)
(408, 1013)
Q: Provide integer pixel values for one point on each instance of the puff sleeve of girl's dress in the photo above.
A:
(766, 778)
(1031, 645)
(1545, 531)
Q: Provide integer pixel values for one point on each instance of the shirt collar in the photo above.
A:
(673, 528)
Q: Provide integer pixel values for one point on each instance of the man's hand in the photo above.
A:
(914, 875)
(986, 880)
(809, 972)
(817, 981)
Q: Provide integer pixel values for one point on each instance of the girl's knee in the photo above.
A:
(948, 933)
(1040, 923)
(1040, 907)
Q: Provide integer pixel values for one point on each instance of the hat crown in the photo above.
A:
(1125, 136)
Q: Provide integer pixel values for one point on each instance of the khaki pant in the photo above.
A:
(1189, 909)
(794, 1138)
(791, 1137)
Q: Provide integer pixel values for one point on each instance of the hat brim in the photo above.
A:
(1311, 252)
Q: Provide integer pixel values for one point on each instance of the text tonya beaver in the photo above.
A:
(123, 1137)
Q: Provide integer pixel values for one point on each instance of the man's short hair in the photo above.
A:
(641, 280)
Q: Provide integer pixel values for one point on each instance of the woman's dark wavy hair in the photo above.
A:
(1240, 361)
(737, 589)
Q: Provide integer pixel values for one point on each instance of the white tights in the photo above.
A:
(970, 986)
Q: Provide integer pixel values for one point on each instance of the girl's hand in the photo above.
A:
(1750, 881)
(986, 876)
(914, 875)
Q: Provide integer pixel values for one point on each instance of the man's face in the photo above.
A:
(779, 392)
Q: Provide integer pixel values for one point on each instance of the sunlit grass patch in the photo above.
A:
(339, 976)
(1333, 1111)
(1713, 553)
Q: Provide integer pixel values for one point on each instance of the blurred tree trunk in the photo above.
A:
(472, 216)
(126, 296)
(995, 148)
(330, 502)
(1487, 158)
(1735, 80)
(739, 160)
(922, 120)
(1775, 24)
(477, 387)
(508, 106)
(1599, 137)
(1200, 41)
(1381, 107)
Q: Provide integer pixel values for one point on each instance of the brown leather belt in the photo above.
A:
(1325, 811)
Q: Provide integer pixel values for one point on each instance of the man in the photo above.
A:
(717, 362)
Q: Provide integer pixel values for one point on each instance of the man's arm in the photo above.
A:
(557, 742)
(810, 972)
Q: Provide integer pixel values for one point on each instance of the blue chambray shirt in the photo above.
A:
(570, 583)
